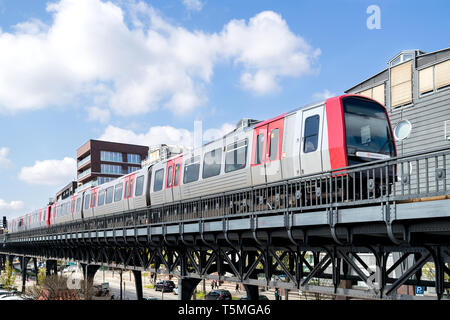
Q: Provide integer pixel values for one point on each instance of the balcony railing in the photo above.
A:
(84, 173)
(84, 161)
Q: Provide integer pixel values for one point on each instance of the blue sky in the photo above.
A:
(142, 72)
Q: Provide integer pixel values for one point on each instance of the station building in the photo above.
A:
(99, 162)
(415, 88)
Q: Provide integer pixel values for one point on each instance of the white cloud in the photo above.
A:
(98, 114)
(4, 161)
(10, 207)
(268, 50)
(194, 5)
(325, 94)
(88, 51)
(50, 172)
(162, 135)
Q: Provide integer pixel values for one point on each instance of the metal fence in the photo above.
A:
(408, 178)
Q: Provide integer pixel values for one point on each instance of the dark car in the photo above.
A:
(261, 297)
(218, 295)
(165, 286)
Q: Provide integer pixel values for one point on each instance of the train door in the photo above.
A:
(266, 154)
(176, 180)
(73, 206)
(258, 165)
(168, 195)
(128, 191)
(273, 152)
(311, 150)
(48, 213)
(93, 201)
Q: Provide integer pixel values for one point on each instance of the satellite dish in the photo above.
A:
(402, 130)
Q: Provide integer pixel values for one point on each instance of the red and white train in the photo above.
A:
(332, 134)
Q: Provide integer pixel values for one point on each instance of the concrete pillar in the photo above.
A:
(186, 288)
(252, 292)
(89, 272)
(138, 282)
(23, 267)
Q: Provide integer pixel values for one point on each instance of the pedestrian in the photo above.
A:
(212, 285)
(237, 288)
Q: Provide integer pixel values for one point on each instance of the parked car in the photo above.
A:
(261, 297)
(165, 286)
(218, 295)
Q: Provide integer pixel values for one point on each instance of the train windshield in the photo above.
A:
(368, 133)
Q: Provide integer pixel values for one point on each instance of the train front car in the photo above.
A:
(359, 131)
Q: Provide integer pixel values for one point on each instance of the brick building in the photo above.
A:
(101, 161)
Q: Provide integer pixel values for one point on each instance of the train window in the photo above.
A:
(159, 179)
(139, 186)
(212, 163)
(78, 204)
(273, 150)
(259, 148)
(311, 134)
(118, 192)
(101, 198)
(87, 199)
(191, 170)
(177, 175)
(109, 195)
(169, 177)
(236, 156)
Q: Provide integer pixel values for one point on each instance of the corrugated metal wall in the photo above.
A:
(427, 116)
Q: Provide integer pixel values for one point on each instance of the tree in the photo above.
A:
(8, 277)
(55, 287)
(42, 273)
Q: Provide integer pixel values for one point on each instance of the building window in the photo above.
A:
(401, 84)
(211, 163)
(376, 93)
(109, 168)
(191, 170)
(133, 169)
(434, 77)
(110, 156)
(236, 156)
(311, 134)
(102, 180)
(134, 158)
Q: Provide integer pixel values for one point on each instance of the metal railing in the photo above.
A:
(404, 178)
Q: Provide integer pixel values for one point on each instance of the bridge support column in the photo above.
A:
(138, 282)
(89, 272)
(23, 267)
(51, 266)
(252, 292)
(186, 288)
